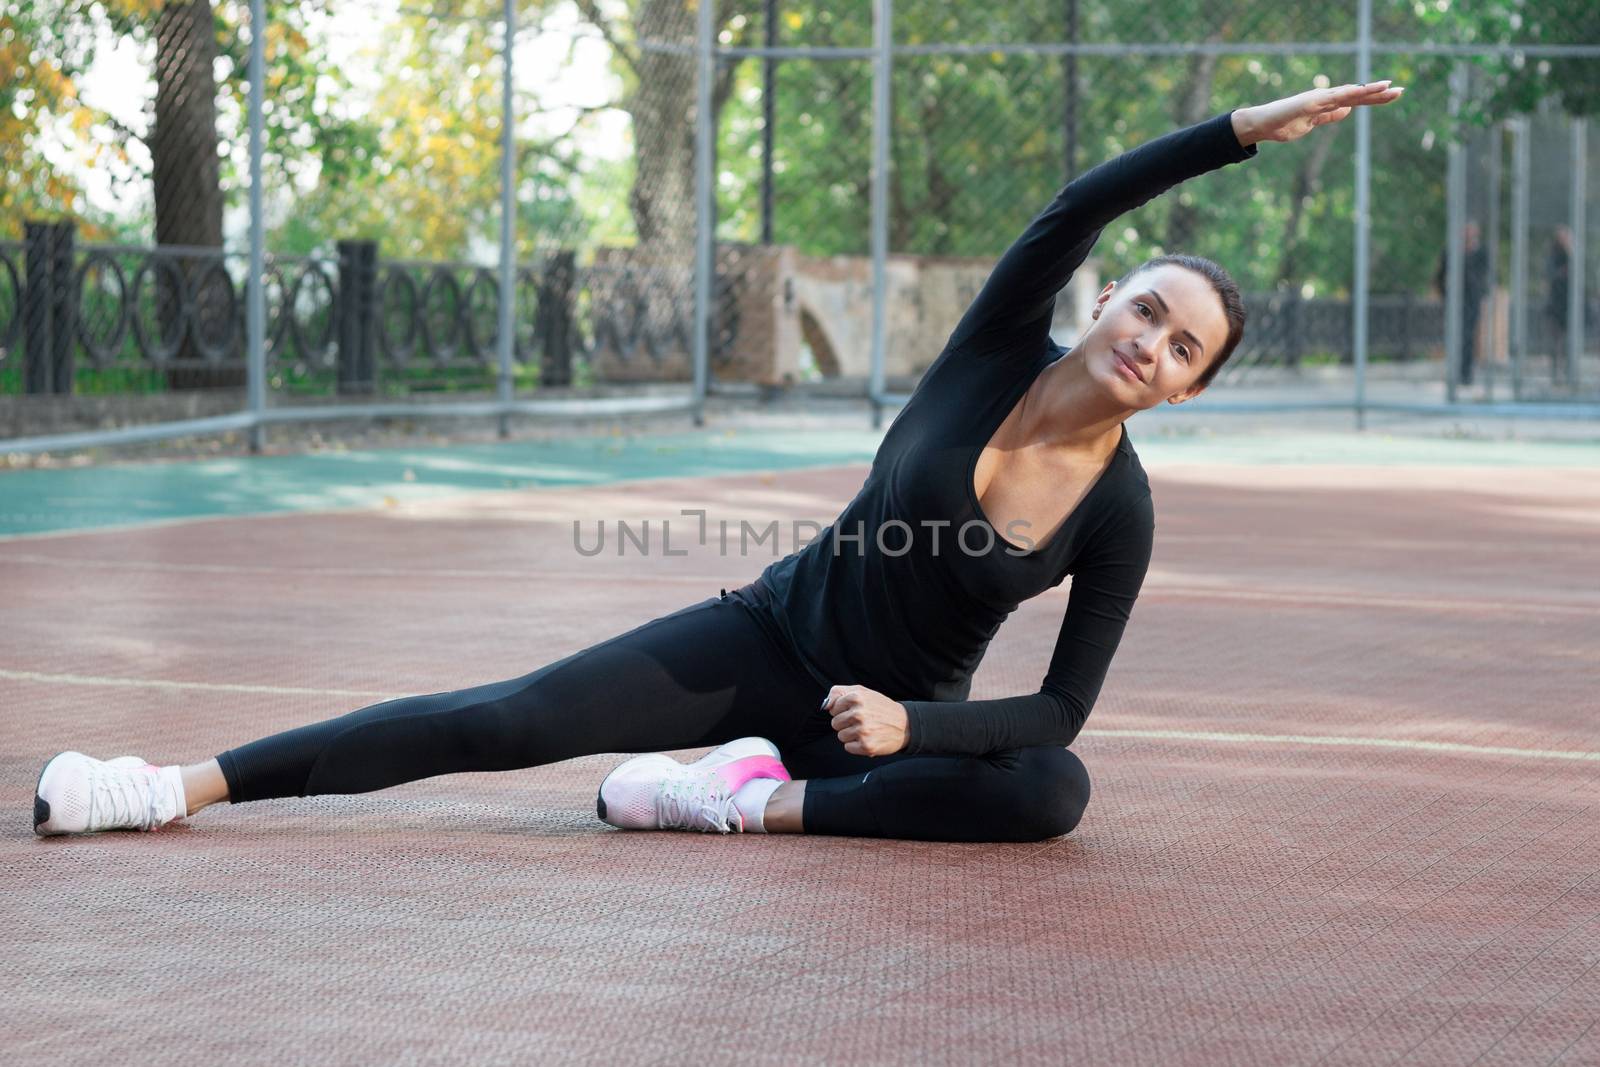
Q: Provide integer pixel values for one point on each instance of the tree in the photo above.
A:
(1521, 82)
(660, 97)
(185, 175)
(43, 56)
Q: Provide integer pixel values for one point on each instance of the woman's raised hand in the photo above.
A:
(1293, 117)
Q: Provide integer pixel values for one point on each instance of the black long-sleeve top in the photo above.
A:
(906, 609)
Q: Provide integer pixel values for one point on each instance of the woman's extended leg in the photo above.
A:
(700, 676)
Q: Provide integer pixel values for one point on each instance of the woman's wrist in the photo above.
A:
(1244, 127)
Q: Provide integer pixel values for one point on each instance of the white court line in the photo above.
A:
(496, 574)
(140, 525)
(1157, 587)
(204, 687)
(1366, 600)
(1147, 735)
(1354, 742)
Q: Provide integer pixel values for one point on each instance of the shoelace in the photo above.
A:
(701, 802)
(131, 800)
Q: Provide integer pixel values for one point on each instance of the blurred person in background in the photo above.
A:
(1558, 282)
(1474, 287)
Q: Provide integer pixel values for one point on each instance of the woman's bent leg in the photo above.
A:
(700, 676)
(1028, 794)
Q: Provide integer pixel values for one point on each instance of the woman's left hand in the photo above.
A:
(1293, 117)
(869, 723)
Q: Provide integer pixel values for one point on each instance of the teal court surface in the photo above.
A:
(125, 494)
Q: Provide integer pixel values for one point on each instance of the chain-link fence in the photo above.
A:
(861, 167)
(991, 108)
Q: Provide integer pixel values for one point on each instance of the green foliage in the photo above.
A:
(979, 143)
(1520, 83)
(45, 45)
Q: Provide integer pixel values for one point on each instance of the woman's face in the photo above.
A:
(1154, 335)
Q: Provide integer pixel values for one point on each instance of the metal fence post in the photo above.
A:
(1520, 181)
(769, 113)
(48, 308)
(38, 306)
(1363, 213)
(882, 42)
(508, 253)
(1407, 299)
(1069, 75)
(366, 353)
(65, 308)
(704, 205)
(1491, 241)
(553, 318)
(1455, 185)
(1577, 224)
(1292, 331)
(255, 291)
(358, 261)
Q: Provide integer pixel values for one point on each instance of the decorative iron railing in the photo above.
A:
(358, 324)
(354, 320)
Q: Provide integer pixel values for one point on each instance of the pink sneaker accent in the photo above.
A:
(743, 770)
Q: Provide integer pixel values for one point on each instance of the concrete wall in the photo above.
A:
(781, 300)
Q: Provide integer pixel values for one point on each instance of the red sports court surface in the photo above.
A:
(1345, 785)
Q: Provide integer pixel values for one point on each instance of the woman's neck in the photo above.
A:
(1067, 409)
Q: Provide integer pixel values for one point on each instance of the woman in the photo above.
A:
(1008, 470)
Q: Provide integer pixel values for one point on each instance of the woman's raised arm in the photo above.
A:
(1013, 306)
(1012, 310)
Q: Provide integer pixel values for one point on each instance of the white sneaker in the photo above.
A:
(656, 792)
(80, 795)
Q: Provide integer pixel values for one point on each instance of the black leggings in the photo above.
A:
(700, 676)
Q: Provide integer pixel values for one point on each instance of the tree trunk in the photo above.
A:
(662, 106)
(942, 190)
(1307, 184)
(187, 183)
(1193, 104)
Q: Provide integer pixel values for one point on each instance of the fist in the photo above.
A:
(867, 722)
